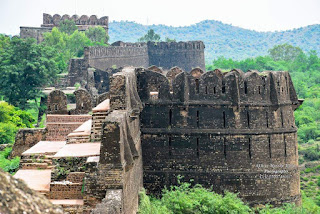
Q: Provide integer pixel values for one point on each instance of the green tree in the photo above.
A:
(66, 46)
(170, 40)
(11, 119)
(150, 36)
(25, 67)
(284, 52)
(67, 26)
(97, 35)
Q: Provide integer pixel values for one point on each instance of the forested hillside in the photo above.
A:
(222, 39)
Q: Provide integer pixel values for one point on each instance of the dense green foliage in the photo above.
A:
(11, 119)
(97, 35)
(67, 46)
(284, 52)
(151, 36)
(222, 39)
(184, 199)
(25, 67)
(72, 45)
(67, 26)
(8, 165)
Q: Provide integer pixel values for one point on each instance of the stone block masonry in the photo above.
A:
(232, 131)
(25, 139)
(83, 23)
(186, 55)
(59, 126)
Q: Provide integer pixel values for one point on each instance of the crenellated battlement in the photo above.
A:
(49, 21)
(215, 87)
(114, 51)
(189, 45)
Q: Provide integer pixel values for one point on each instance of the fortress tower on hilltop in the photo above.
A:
(83, 23)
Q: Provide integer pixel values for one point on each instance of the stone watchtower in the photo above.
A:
(83, 23)
(233, 131)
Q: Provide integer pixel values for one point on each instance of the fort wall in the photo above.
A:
(186, 55)
(83, 22)
(116, 56)
(114, 182)
(34, 32)
(236, 129)
(25, 139)
(77, 71)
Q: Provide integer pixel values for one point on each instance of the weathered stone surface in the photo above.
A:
(186, 55)
(57, 103)
(25, 139)
(83, 23)
(233, 132)
(16, 197)
(83, 102)
(111, 204)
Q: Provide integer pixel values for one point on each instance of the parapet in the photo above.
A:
(231, 88)
(177, 45)
(51, 21)
(186, 55)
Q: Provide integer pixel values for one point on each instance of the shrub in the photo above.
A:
(7, 133)
(184, 199)
(8, 165)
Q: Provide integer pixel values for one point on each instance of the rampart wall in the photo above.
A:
(116, 56)
(34, 32)
(113, 184)
(186, 55)
(83, 22)
(232, 131)
(25, 139)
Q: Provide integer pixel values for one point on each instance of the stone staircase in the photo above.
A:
(99, 115)
(59, 126)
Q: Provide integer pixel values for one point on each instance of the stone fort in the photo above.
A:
(134, 126)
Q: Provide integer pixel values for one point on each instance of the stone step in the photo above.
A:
(34, 165)
(65, 190)
(37, 160)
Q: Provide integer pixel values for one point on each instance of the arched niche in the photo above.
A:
(56, 19)
(184, 87)
(57, 103)
(65, 17)
(84, 19)
(211, 85)
(254, 87)
(152, 85)
(155, 69)
(83, 101)
(93, 20)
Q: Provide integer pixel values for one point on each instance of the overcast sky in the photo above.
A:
(260, 15)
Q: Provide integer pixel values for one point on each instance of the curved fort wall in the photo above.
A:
(82, 22)
(232, 131)
(186, 55)
(118, 56)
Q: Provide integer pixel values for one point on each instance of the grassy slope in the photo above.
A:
(222, 39)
